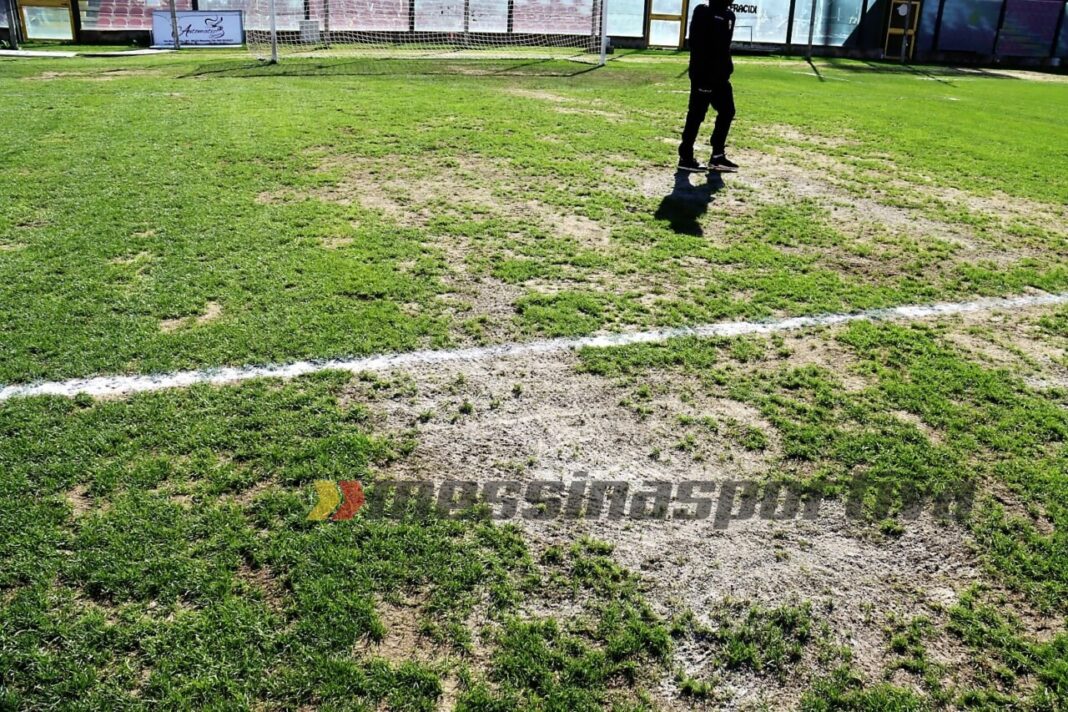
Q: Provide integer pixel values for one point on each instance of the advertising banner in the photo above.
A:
(198, 29)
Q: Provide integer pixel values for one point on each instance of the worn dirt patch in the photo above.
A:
(565, 425)
(537, 418)
(263, 581)
(12, 247)
(1015, 342)
(248, 496)
(880, 233)
(798, 136)
(403, 639)
(469, 188)
(1000, 207)
(131, 259)
(586, 232)
(336, 243)
(540, 94)
(871, 237)
(212, 311)
(80, 501)
(106, 76)
(1030, 76)
(781, 178)
(614, 116)
(569, 104)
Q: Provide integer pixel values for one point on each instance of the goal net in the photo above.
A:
(505, 29)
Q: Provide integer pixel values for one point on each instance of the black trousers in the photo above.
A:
(720, 96)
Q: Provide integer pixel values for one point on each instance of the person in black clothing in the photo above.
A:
(711, 32)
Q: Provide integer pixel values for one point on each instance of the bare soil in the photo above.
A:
(540, 418)
(212, 311)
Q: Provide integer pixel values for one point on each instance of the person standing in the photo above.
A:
(711, 32)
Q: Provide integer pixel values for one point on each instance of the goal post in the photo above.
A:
(500, 29)
(604, 33)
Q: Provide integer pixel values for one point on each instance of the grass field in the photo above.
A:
(199, 210)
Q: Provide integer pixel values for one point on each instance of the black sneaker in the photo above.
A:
(692, 165)
(722, 164)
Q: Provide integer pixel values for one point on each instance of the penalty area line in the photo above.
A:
(113, 386)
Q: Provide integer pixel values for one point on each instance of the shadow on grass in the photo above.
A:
(939, 74)
(684, 206)
(815, 69)
(379, 66)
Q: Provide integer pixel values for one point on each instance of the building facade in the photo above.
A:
(1023, 32)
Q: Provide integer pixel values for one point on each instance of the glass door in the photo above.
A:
(667, 23)
(47, 19)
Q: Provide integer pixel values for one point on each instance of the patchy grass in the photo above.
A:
(743, 636)
(200, 210)
(343, 207)
(192, 578)
(974, 427)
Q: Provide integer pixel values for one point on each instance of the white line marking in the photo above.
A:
(102, 386)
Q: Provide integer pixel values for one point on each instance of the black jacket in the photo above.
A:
(711, 32)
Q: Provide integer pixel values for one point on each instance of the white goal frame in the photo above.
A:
(460, 29)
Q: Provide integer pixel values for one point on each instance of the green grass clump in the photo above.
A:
(907, 642)
(844, 690)
(692, 687)
(743, 636)
(541, 663)
(1004, 655)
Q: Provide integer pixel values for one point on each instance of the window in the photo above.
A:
(836, 21)
(768, 24)
(1028, 27)
(1062, 44)
(489, 15)
(925, 32)
(969, 26)
(626, 18)
(47, 23)
(552, 17)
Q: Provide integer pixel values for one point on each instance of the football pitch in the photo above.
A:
(429, 384)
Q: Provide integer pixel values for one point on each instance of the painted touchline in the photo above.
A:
(102, 386)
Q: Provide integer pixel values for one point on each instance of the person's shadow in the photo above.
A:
(687, 202)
